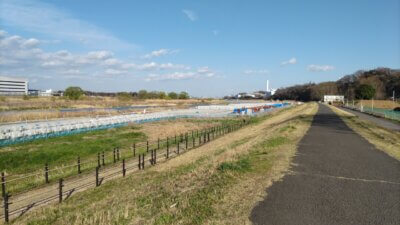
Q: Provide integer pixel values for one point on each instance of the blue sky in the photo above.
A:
(208, 48)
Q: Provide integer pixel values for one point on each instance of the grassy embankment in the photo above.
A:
(29, 157)
(383, 139)
(217, 183)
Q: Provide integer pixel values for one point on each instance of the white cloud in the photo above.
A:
(45, 18)
(248, 72)
(290, 61)
(158, 53)
(319, 68)
(190, 14)
(215, 32)
(156, 66)
(202, 72)
(99, 55)
(115, 72)
(24, 56)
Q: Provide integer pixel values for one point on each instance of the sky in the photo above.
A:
(208, 48)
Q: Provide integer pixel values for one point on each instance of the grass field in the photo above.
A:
(20, 106)
(217, 183)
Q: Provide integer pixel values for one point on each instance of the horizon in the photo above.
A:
(208, 49)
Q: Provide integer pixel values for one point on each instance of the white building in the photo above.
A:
(333, 98)
(46, 93)
(269, 91)
(13, 86)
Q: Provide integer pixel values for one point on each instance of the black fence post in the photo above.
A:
(167, 156)
(194, 141)
(46, 172)
(152, 156)
(175, 139)
(134, 149)
(199, 140)
(60, 190)
(142, 161)
(79, 165)
(123, 168)
(6, 212)
(103, 158)
(205, 137)
(114, 156)
(118, 153)
(155, 156)
(158, 143)
(177, 147)
(98, 159)
(186, 142)
(147, 146)
(3, 184)
(97, 177)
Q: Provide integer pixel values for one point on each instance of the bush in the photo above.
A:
(173, 95)
(365, 91)
(124, 96)
(73, 93)
(183, 95)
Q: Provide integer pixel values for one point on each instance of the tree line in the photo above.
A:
(377, 83)
(74, 93)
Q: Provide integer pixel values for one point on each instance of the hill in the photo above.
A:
(383, 80)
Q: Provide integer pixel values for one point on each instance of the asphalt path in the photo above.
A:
(391, 125)
(337, 177)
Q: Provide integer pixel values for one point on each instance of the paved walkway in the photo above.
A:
(391, 125)
(337, 178)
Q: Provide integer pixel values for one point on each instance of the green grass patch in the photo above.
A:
(240, 142)
(241, 165)
(27, 157)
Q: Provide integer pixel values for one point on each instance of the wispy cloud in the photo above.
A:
(249, 72)
(191, 15)
(200, 73)
(290, 61)
(26, 56)
(46, 19)
(320, 68)
(160, 52)
(216, 32)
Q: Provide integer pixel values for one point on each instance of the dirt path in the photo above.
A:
(337, 177)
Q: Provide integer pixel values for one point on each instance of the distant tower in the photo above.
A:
(267, 85)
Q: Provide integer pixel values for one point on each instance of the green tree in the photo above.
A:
(124, 96)
(73, 93)
(365, 91)
(173, 95)
(162, 95)
(183, 95)
(142, 94)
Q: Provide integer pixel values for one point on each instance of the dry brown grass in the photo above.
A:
(383, 104)
(18, 103)
(383, 139)
(50, 106)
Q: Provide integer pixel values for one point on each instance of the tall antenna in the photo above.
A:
(267, 85)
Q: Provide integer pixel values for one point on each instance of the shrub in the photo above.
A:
(73, 93)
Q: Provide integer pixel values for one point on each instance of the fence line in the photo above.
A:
(65, 188)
